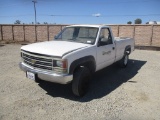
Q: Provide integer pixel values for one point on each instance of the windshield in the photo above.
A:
(85, 35)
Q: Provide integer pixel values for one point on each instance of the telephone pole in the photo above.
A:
(35, 1)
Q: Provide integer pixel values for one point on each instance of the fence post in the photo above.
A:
(151, 34)
(24, 32)
(1, 32)
(36, 32)
(133, 31)
(12, 33)
(118, 30)
(48, 31)
(61, 27)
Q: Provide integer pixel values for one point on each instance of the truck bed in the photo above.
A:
(121, 38)
(121, 43)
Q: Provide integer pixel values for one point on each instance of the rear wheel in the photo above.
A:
(80, 83)
(124, 61)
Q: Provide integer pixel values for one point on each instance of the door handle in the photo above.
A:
(113, 48)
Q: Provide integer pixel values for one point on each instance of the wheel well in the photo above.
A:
(128, 49)
(90, 65)
(87, 61)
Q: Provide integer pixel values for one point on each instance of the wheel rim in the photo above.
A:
(125, 59)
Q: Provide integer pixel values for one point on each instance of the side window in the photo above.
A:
(105, 37)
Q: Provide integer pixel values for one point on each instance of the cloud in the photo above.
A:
(96, 15)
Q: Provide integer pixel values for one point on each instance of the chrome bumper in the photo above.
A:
(47, 76)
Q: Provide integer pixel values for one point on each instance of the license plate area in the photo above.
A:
(30, 75)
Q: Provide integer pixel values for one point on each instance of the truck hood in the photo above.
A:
(54, 48)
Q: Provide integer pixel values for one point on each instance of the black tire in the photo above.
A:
(124, 61)
(81, 80)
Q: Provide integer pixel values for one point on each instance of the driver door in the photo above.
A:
(105, 49)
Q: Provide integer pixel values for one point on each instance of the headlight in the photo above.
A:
(60, 63)
(60, 66)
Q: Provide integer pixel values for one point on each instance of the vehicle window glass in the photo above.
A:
(85, 35)
(89, 33)
(105, 37)
(68, 34)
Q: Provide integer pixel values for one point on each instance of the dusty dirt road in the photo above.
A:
(132, 93)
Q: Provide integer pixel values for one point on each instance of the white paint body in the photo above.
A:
(73, 51)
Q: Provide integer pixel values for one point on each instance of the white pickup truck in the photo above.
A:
(76, 53)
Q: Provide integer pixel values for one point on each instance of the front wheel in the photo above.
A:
(80, 83)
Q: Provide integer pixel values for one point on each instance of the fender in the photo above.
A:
(88, 61)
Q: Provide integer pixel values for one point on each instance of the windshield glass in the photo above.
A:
(85, 35)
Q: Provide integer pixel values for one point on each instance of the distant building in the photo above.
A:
(158, 22)
(152, 22)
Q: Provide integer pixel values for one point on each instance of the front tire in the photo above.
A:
(81, 80)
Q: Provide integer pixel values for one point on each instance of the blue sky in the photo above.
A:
(79, 11)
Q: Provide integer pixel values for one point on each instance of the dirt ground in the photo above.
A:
(132, 93)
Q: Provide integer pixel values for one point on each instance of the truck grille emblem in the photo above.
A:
(33, 61)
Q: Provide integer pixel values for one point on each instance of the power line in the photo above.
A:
(130, 15)
(84, 15)
(104, 15)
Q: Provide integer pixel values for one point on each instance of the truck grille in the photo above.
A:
(37, 60)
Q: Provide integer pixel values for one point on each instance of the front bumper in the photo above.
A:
(47, 76)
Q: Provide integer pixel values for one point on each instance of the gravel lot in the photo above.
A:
(132, 93)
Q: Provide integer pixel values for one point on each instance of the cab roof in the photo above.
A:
(88, 25)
